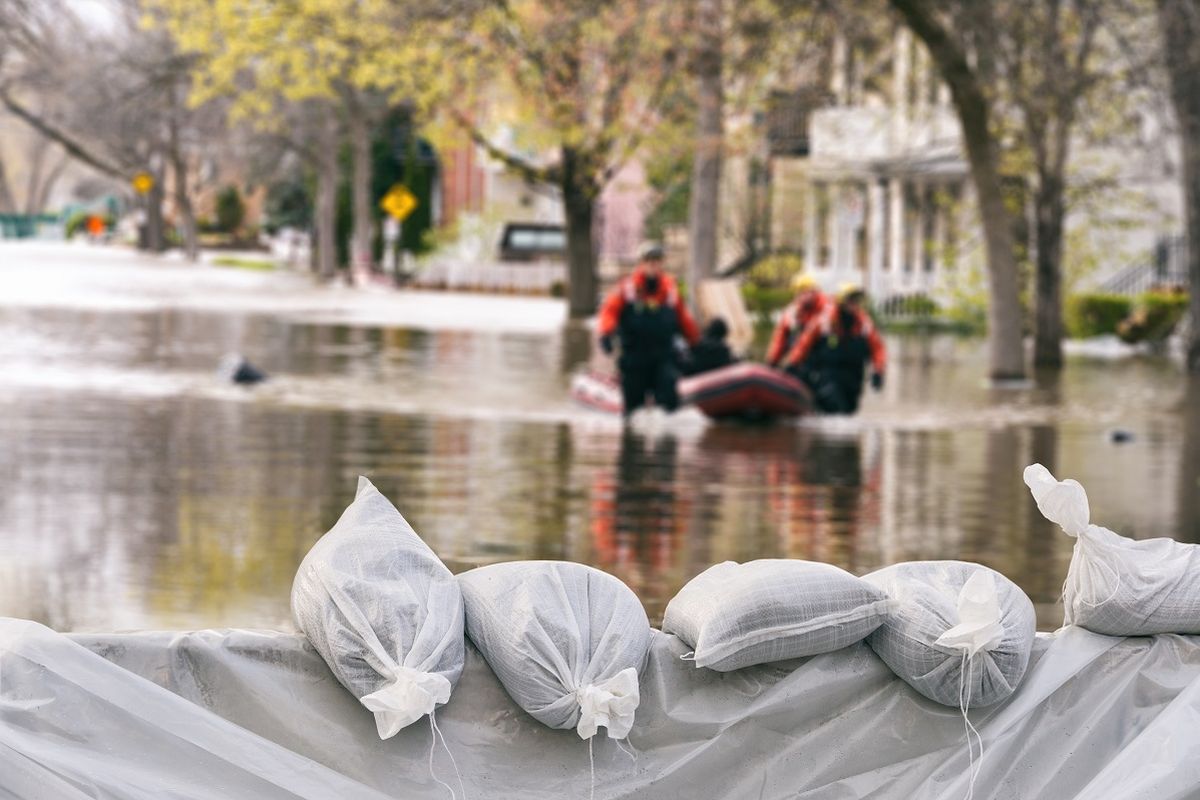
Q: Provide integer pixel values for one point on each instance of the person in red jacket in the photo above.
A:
(645, 314)
(808, 304)
(833, 350)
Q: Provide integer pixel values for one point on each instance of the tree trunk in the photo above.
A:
(364, 220)
(155, 240)
(1048, 316)
(579, 208)
(37, 162)
(1005, 345)
(7, 206)
(325, 212)
(183, 205)
(704, 203)
(42, 199)
(183, 200)
(1180, 24)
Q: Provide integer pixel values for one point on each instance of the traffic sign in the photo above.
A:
(399, 202)
(143, 182)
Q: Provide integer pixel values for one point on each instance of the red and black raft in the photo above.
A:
(744, 391)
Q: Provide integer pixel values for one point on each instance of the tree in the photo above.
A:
(109, 96)
(1179, 22)
(336, 61)
(704, 199)
(935, 27)
(1045, 52)
(587, 82)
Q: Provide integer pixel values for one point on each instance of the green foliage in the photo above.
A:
(1095, 314)
(763, 301)
(77, 223)
(288, 204)
(671, 179)
(767, 286)
(775, 271)
(255, 264)
(230, 210)
(1155, 316)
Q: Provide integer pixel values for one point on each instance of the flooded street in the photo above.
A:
(140, 491)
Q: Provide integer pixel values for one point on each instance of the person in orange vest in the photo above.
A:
(645, 315)
(808, 304)
(832, 352)
(95, 227)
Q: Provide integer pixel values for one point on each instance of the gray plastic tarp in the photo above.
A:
(250, 714)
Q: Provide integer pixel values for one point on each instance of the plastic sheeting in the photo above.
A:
(247, 714)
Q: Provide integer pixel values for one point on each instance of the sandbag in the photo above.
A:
(960, 633)
(383, 611)
(567, 641)
(1115, 585)
(737, 615)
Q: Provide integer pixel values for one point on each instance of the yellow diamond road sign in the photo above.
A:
(143, 182)
(399, 202)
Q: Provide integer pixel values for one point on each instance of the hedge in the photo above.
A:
(1096, 314)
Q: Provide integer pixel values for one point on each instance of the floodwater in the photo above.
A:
(139, 491)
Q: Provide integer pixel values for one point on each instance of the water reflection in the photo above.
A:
(638, 517)
(1189, 465)
(140, 493)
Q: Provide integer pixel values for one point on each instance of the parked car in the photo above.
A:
(533, 241)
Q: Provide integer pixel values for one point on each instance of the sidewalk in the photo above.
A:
(99, 277)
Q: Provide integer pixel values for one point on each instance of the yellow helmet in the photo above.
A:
(804, 282)
(848, 290)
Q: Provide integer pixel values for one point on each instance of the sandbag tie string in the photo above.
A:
(411, 695)
(610, 703)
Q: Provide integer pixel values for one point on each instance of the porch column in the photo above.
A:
(811, 239)
(896, 252)
(836, 232)
(876, 234)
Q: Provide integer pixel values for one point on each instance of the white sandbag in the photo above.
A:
(383, 611)
(960, 634)
(567, 641)
(1119, 586)
(737, 615)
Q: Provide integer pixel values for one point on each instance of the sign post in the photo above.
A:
(398, 203)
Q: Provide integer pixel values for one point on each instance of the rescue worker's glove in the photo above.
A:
(606, 344)
(877, 381)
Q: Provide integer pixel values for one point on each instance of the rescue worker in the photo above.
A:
(807, 305)
(712, 351)
(832, 352)
(644, 313)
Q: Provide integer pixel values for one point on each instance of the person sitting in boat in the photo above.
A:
(833, 351)
(645, 314)
(712, 351)
(807, 305)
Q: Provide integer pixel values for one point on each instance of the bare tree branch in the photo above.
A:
(68, 143)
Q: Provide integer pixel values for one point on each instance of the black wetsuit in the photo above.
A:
(647, 332)
(835, 370)
(709, 354)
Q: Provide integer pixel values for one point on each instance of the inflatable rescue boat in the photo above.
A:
(746, 391)
(740, 391)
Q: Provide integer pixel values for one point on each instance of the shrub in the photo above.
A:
(775, 271)
(230, 210)
(763, 301)
(1155, 317)
(1096, 314)
(77, 223)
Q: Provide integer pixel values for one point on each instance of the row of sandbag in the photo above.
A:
(567, 641)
